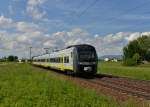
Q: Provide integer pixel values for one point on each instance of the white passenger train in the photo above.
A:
(76, 58)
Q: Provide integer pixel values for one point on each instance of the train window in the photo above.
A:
(56, 60)
(71, 54)
(51, 60)
(66, 59)
(46, 60)
(61, 59)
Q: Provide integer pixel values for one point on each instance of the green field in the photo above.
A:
(22, 85)
(141, 72)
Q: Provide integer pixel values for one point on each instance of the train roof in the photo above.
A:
(80, 45)
(71, 46)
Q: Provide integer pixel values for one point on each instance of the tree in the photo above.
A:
(144, 42)
(137, 50)
(132, 48)
(12, 58)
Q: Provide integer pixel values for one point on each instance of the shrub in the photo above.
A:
(136, 58)
(129, 62)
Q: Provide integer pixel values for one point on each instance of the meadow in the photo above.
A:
(141, 72)
(22, 85)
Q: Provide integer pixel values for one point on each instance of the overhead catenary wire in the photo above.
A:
(87, 8)
(109, 20)
(78, 15)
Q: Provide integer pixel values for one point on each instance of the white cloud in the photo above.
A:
(133, 36)
(20, 26)
(108, 44)
(6, 22)
(30, 34)
(27, 27)
(34, 11)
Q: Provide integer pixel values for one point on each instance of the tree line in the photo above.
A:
(10, 58)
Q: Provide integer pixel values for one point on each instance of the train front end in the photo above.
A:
(86, 60)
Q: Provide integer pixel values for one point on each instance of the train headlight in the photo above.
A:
(87, 68)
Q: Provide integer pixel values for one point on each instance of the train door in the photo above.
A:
(68, 62)
(62, 62)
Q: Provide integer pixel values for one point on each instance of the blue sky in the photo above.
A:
(45, 23)
(103, 17)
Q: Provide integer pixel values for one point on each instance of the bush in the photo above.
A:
(129, 62)
(136, 58)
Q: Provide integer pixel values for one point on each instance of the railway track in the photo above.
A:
(131, 87)
(125, 86)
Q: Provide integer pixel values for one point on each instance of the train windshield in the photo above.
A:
(87, 54)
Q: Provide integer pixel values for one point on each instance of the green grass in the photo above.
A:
(22, 85)
(141, 72)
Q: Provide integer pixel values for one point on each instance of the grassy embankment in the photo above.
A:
(141, 72)
(22, 85)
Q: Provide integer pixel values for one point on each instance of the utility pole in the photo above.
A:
(30, 54)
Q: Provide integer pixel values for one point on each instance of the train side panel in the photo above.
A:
(62, 60)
